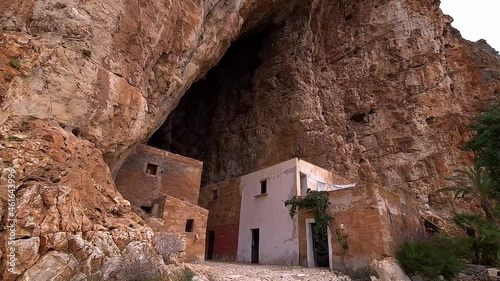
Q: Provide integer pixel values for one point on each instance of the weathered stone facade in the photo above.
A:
(375, 221)
(175, 219)
(223, 200)
(166, 187)
(71, 220)
(169, 174)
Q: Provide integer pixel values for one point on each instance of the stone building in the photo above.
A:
(223, 200)
(166, 187)
(248, 221)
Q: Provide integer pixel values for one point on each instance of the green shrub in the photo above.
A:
(452, 265)
(15, 63)
(484, 243)
(185, 274)
(469, 220)
(431, 258)
(362, 274)
(452, 252)
(485, 145)
(317, 203)
(486, 250)
(419, 258)
(461, 247)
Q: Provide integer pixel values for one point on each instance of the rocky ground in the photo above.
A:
(244, 272)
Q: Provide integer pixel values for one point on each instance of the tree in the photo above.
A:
(486, 145)
(483, 242)
(473, 180)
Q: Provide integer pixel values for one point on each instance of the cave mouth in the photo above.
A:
(204, 114)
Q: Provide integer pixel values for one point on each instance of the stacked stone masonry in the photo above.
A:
(166, 187)
(223, 219)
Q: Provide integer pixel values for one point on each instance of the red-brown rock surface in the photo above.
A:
(81, 84)
(70, 218)
(378, 91)
(373, 90)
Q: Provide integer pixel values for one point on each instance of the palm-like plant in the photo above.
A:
(469, 181)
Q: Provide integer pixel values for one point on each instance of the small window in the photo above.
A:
(215, 194)
(263, 186)
(189, 225)
(147, 209)
(151, 169)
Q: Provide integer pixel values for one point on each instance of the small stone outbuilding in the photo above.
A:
(166, 186)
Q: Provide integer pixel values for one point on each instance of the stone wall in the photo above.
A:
(374, 220)
(399, 214)
(224, 217)
(175, 215)
(175, 175)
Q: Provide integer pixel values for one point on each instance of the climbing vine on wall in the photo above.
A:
(317, 203)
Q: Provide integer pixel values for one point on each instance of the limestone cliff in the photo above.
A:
(82, 82)
(378, 91)
(373, 90)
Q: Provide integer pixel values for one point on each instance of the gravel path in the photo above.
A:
(223, 271)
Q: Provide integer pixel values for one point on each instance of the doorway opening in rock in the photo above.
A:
(212, 110)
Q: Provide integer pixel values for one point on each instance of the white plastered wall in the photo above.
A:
(314, 175)
(278, 232)
(318, 178)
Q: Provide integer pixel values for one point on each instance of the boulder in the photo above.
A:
(389, 270)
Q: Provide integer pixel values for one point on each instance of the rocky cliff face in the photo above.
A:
(373, 90)
(378, 91)
(81, 84)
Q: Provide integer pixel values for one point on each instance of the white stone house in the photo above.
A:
(267, 234)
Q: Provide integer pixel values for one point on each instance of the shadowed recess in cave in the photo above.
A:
(205, 112)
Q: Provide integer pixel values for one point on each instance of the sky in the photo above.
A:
(475, 19)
